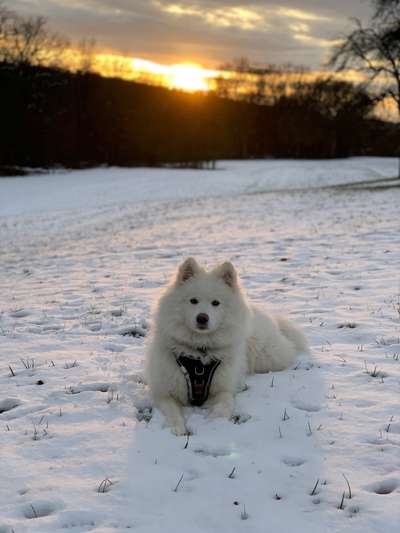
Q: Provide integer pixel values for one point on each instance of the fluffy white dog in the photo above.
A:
(206, 337)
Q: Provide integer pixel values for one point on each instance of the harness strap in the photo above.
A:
(198, 376)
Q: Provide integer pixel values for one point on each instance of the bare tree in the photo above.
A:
(5, 26)
(86, 53)
(234, 79)
(259, 84)
(375, 51)
(28, 41)
(384, 9)
(4, 15)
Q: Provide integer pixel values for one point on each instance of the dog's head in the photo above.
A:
(204, 303)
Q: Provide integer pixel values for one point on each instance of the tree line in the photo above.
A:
(51, 116)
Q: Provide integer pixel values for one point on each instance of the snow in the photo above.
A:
(105, 186)
(84, 255)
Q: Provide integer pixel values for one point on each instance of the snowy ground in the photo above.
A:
(83, 256)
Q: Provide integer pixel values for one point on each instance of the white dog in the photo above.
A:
(206, 337)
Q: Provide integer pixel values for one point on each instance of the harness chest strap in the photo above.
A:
(198, 375)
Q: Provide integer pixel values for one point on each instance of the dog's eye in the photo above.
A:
(215, 303)
(194, 301)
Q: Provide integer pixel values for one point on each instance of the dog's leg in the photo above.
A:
(221, 405)
(173, 415)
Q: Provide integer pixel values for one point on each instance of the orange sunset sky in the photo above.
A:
(185, 41)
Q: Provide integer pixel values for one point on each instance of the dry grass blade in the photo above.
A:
(348, 485)
(341, 505)
(232, 474)
(187, 441)
(313, 492)
(177, 485)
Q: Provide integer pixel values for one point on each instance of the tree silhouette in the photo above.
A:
(27, 40)
(385, 9)
(375, 51)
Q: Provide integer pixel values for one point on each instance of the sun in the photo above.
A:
(188, 77)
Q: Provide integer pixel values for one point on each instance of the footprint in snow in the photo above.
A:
(20, 313)
(8, 403)
(112, 347)
(5, 529)
(212, 452)
(94, 326)
(133, 331)
(293, 461)
(385, 486)
(240, 418)
(84, 520)
(39, 508)
(348, 325)
(90, 387)
(305, 405)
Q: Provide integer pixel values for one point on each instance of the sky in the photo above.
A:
(207, 32)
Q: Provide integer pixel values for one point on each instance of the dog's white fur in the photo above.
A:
(244, 338)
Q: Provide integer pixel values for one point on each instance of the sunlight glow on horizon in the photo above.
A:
(193, 78)
(185, 76)
(190, 76)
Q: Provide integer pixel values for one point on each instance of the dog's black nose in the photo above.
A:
(202, 319)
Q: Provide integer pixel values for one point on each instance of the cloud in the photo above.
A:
(207, 31)
(231, 16)
(300, 27)
(248, 17)
(315, 41)
(301, 14)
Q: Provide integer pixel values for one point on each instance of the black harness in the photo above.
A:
(198, 374)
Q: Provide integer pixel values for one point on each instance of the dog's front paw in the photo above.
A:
(221, 411)
(179, 430)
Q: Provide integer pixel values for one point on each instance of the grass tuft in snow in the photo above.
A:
(112, 396)
(67, 365)
(244, 515)
(104, 486)
(38, 435)
(28, 363)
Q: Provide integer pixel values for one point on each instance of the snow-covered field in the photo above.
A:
(82, 257)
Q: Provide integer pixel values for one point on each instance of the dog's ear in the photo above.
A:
(227, 273)
(188, 269)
